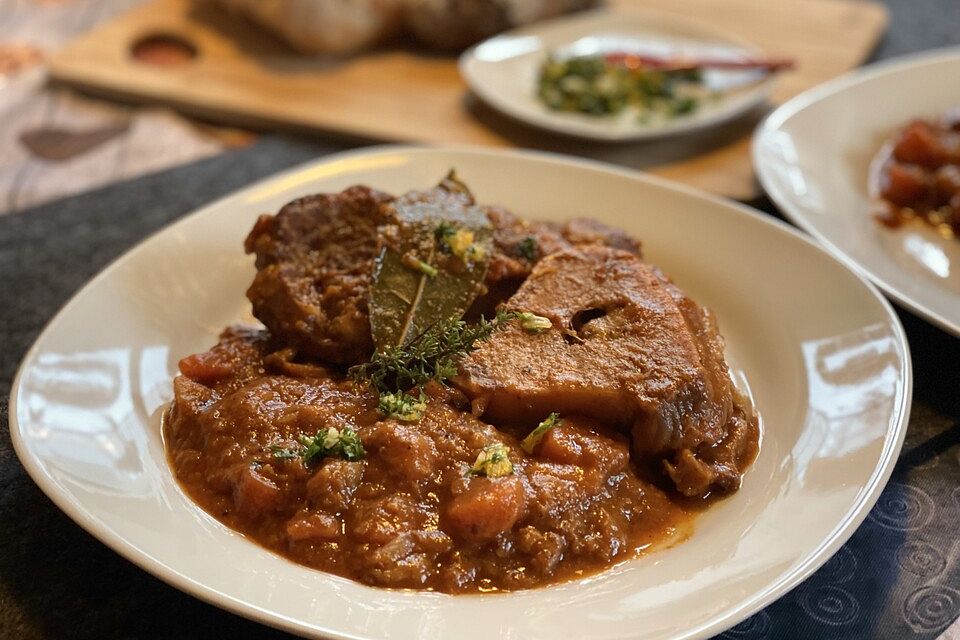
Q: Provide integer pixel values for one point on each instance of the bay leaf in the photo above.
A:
(405, 300)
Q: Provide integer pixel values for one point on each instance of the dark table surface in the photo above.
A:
(57, 581)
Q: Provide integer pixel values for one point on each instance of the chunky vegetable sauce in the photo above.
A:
(408, 514)
(917, 175)
(590, 419)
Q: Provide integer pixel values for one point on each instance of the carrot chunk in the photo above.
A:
(489, 507)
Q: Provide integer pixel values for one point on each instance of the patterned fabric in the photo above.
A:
(55, 142)
(899, 575)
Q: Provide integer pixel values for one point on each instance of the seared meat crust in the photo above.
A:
(627, 347)
(509, 261)
(314, 261)
(315, 264)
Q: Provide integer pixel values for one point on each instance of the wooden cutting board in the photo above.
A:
(405, 95)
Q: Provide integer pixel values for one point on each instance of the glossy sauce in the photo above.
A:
(916, 175)
(408, 515)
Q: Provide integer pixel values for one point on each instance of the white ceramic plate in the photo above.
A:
(503, 70)
(813, 156)
(824, 355)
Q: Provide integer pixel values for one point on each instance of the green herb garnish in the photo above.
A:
(492, 461)
(332, 443)
(402, 406)
(417, 264)
(327, 443)
(527, 248)
(442, 233)
(597, 86)
(530, 443)
(414, 284)
(532, 323)
(683, 106)
(458, 242)
(429, 356)
(284, 453)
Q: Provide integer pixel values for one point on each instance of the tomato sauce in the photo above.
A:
(409, 514)
(917, 175)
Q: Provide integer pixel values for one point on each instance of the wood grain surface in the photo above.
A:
(399, 93)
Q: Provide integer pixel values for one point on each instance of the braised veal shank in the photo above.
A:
(592, 419)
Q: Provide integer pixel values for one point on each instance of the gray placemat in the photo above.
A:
(898, 576)
(57, 581)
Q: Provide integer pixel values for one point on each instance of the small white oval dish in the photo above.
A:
(824, 354)
(813, 157)
(503, 71)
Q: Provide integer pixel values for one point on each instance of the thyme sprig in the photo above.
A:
(429, 356)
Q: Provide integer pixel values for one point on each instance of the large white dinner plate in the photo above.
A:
(823, 354)
(813, 157)
(503, 70)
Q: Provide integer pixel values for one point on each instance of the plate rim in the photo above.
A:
(504, 107)
(776, 119)
(852, 519)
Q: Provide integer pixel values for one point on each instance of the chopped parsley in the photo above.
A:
(492, 461)
(402, 406)
(530, 443)
(333, 443)
(284, 453)
(443, 233)
(600, 86)
(527, 248)
(683, 106)
(533, 323)
(458, 242)
(327, 443)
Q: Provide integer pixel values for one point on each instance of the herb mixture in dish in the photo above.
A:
(448, 397)
(917, 175)
(603, 85)
(647, 86)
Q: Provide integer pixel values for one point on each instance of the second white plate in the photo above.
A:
(503, 70)
(813, 156)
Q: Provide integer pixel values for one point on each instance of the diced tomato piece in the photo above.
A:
(946, 183)
(313, 526)
(920, 145)
(253, 494)
(906, 185)
(559, 445)
(207, 368)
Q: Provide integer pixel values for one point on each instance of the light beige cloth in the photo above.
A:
(103, 142)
